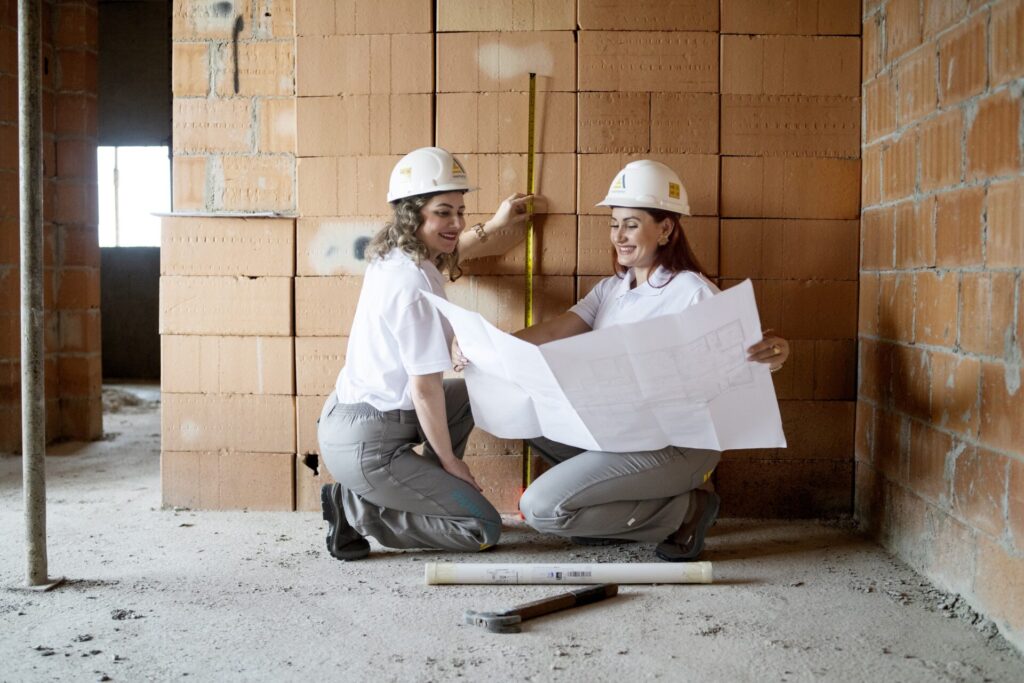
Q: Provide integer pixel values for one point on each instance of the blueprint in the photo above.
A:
(680, 380)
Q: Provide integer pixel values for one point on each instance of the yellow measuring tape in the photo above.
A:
(530, 187)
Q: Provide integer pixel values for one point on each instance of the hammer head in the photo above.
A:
(493, 622)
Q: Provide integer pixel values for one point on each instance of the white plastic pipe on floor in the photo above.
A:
(610, 572)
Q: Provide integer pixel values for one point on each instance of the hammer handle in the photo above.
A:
(582, 596)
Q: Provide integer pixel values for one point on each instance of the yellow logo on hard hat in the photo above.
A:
(405, 171)
(673, 190)
(457, 167)
(619, 182)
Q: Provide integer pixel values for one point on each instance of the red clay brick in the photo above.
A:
(76, 26)
(889, 445)
(863, 431)
(899, 164)
(190, 69)
(189, 183)
(78, 70)
(76, 114)
(902, 28)
(896, 307)
(877, 239)
(76, 158)
(911, 388)
(1007, 41)
(76, 202)
(942, 154)
(999, 584)
(1005, 246)
(819, 369)
(979, 487)
(80, 375)
(867, 319)
(8, 99)
(1002, 404)
(993, 142)
(835, 369)
(927, 462)
(916, 76)
(935, 320)
(879, 107)
(986, 312)
(915, 233)
(81, 419)
(80, 331)
(785, 488)
(941, 14)
(958, 228)
(955, 392)
(874, 377)
(819, 309)
(871, 46)
(79, 288)
(871, 174)
(962, 58)
(951, 552)
(1015, 503)
(789, 249)
(79, 246)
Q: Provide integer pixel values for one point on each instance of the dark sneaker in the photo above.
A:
(343, 542)
(598, 540)
(688, 541)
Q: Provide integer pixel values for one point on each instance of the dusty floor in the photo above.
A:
(160, 594)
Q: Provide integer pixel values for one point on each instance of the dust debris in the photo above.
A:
(122, 614)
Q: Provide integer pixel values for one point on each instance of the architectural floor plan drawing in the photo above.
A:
(678, 380)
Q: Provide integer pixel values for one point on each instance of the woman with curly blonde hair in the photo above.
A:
(390, 396)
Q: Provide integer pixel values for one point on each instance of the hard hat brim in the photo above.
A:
(439, 189)
(674, 207)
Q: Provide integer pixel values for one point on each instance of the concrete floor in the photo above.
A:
(211, 596)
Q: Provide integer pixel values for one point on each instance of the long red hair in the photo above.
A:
(676, 256)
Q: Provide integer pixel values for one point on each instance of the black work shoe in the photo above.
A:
(598, 540)
(343, 542)
(688, 541)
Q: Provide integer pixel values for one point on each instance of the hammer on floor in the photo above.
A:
(509, 620)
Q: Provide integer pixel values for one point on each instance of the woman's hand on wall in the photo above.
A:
(504, 230)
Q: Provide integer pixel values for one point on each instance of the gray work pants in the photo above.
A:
(400, 498)
(641, 496)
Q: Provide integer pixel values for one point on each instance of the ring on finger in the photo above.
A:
(776, 349)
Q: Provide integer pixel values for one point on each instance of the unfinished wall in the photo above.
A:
(71, 257)
(755, 104)
(940, 412)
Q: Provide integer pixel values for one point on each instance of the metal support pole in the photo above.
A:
(33, 405)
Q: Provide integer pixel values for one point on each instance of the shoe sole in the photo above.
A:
(707, 521)
(326, 505)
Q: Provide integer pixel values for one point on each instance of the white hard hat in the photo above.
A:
(424, 171)
(647, 184)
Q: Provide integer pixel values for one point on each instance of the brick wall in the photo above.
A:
(940, 411)
(71, 255)
(755, 104)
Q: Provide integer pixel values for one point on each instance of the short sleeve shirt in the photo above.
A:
(614, 302)
(395, 334)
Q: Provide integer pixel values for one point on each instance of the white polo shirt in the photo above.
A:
(395, 333)
(613, 302)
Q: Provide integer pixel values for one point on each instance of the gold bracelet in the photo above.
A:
(481, 233)
(775, 369)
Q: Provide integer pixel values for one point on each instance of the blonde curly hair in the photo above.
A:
(400, 232)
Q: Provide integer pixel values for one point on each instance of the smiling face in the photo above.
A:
(635, 235)
(443, 222)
